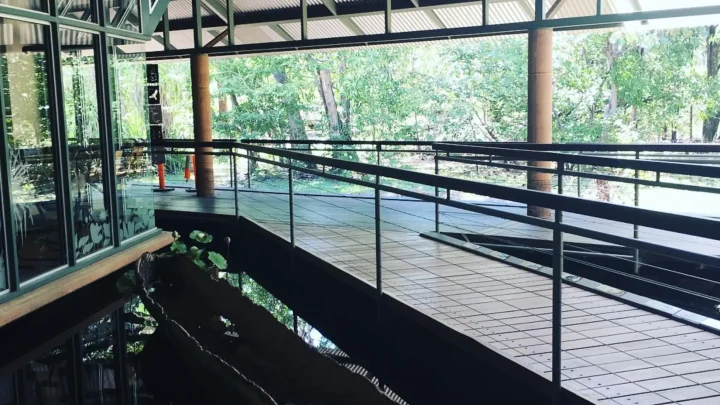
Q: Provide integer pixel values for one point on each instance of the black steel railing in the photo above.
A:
(375, 177)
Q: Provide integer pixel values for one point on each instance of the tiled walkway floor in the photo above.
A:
(613, 352)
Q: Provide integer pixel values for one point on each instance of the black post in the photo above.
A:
(291, 201)
(558, 253)
(249, 170)
(636, 229)
(437, 193)
(234, 165)
(378, 248)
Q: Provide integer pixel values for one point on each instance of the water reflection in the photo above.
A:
(92, 363)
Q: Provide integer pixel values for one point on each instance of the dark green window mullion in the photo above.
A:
(73, 356)
(120, 356)
(59, 137)
(10, 240)
(102, 72)
(197, 28)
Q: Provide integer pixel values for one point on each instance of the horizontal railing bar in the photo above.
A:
(635, 164)
(684, 224)
(483, 162)
(586, 175)
(566, 147)
(539, 222)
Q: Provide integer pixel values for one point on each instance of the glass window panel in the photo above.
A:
(76, 9)
(91, 222)
(46, 379)
(98, 370)
(33, 179)
(131, 137)
(38, 5)
(123, 14)
(7, 390)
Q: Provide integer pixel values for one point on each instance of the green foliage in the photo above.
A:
(199, 256)
(622, 86)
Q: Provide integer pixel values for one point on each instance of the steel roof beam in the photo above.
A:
(217, 8)
(331, 6)
(319, 12)
(554, 9)
(585, 22)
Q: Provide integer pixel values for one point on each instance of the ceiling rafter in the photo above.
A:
(554, 9)
(281, 32)
(315, 13)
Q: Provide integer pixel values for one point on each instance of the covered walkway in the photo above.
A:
(613, 352)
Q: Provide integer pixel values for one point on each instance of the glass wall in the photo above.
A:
(91, 222)
(32, 179)
(123, 14)
(133, 168)
(74, 167)
(76, 9)
(38, 5)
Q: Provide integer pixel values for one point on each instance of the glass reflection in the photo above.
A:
(123, 14)
(98, 359)
(23, 67)
(46, 380)
(133, 169)
(7, 390)
(76, 9)
(37, 5)
(91, 222)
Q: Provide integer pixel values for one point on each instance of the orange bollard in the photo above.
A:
(187, 168)
(161, 175)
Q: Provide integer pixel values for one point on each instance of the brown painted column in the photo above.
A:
(202, 122)
(540, 89)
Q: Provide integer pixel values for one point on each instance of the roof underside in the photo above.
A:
(278, 21)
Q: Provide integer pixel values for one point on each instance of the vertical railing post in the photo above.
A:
(249, 171)
(235, 183)
(291, 202)
(378, 147)
(378, 246)
(579, 169)
(558, 259)
(437, 193)
(636, 230)
(447, 190)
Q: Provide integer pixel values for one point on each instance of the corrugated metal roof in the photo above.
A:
(461, 16)
(372, 23)
(409, 21)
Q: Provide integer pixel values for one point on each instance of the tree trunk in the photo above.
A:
(296, 125)
(338, 131)
(711, 123)
(602, 186)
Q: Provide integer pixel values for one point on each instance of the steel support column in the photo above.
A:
(539, 109)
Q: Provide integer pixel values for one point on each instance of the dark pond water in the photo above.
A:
(90, 348)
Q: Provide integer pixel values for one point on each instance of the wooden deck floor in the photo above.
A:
(612, 352)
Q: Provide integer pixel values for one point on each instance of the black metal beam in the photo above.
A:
(197, 23)
(586, 22)
(231, 22)
(349, 9)
(303, 20)
(685, 224)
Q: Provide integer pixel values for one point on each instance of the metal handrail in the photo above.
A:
(691, 169)
(679, 223)
(562, 147)
(688, 225)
